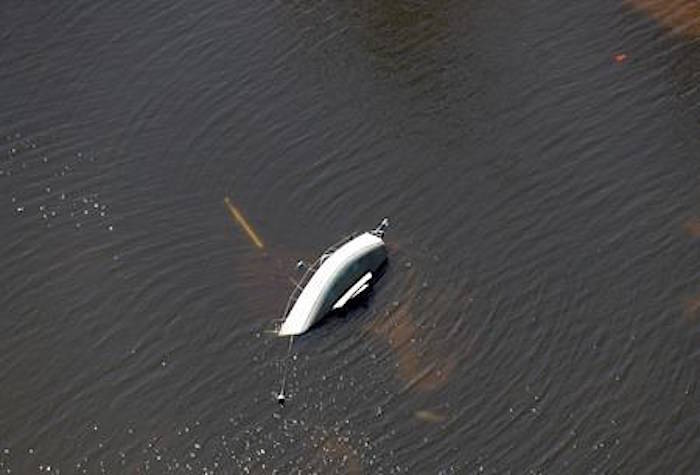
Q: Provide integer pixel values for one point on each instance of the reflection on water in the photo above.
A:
(334, 452)
(287, 445)
(682, 16)
(62, 189)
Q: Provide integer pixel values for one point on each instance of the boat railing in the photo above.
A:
(311, 270)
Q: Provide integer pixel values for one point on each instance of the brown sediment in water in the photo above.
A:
(421, 366)
(417, 367)
(692, 226)
(692, 308)
(681, 16)
(433, 417)
(692, 305)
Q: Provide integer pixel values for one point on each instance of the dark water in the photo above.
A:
(539, 312)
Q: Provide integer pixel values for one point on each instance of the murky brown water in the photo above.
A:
(682, 16)
(539, 162)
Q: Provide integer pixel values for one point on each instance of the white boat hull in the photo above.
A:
(342, 275)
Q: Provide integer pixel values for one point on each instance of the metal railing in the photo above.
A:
(310, 271)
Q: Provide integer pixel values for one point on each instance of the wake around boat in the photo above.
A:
(341, 273)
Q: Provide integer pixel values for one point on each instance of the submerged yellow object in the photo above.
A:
(240, 219)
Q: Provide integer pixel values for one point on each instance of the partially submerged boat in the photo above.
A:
(341, 273)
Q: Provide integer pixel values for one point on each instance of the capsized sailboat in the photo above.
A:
(341, 273)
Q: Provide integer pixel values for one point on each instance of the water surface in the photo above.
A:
(538, 161)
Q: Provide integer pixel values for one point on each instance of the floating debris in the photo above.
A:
(620, 57)
(243, 223)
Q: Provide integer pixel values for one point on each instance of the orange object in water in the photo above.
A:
(620, 57)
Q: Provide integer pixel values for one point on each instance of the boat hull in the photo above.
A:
(343, 269)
